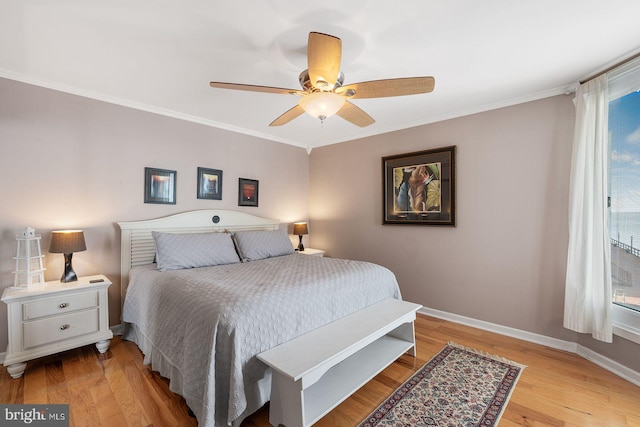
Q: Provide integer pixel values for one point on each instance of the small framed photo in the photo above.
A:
(209, 184)
(159, 186)
(247, 192)
(420, 187)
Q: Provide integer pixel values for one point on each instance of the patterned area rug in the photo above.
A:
(457, 387)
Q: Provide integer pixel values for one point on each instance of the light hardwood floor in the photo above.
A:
(115, 389)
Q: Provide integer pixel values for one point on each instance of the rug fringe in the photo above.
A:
(485, 354)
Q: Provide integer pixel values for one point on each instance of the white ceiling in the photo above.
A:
(159, 56)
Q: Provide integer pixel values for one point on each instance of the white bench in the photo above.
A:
(313, 373)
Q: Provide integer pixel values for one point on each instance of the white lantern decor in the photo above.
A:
(29, 271)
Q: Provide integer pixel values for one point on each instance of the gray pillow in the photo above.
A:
(178, 251)
(255, 245)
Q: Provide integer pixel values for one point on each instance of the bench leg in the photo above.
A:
(286, 407)
(406, 332)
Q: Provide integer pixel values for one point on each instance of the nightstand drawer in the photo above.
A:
(35, 310)
(44, 331)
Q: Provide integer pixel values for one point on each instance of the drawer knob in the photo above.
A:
(63, 305)
(63, 327)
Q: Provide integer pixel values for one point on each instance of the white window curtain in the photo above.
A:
(587, 305)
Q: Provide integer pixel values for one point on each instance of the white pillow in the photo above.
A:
(178, 251)
(255, 245)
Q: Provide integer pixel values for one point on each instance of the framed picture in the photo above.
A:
(247, 192)
(209, 184)
(159, 186)
(420, 187)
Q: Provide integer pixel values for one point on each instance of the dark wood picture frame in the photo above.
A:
(209, 184)
(247, 192)
(160, 186)
(420, 187)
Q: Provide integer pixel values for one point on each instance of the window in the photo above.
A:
(624, 197)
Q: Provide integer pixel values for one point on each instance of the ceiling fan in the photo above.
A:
(322, 93)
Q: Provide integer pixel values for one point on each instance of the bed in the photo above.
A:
(202, 325)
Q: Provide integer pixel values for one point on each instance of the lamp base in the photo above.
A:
(69, 275)
(300, 246)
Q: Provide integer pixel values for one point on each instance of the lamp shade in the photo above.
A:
(67, 242)
(300, 228)
(321, 104)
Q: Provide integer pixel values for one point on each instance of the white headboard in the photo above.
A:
(137, 246)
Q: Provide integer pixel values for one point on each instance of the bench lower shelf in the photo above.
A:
(344, 379)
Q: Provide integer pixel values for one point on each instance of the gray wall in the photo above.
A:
(72, 162)
(505, 262)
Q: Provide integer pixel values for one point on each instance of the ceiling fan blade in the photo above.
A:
(287, 116)
(354, 114)
(324, 53)
(389, 87)
(255, 88)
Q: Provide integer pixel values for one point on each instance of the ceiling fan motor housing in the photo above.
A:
(306, 84)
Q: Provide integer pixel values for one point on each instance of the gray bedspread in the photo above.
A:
(203, 327)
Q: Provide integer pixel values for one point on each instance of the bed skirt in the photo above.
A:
(257, 395)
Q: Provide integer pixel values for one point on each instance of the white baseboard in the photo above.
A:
(572, 347)
(610, 365)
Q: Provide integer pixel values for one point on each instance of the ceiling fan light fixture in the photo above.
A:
(321, 104)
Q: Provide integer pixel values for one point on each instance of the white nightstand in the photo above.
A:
(56, 317)
(311, 251)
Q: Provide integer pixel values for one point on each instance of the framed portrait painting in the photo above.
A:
(420, 187)
(209, 184)
(159, 186)
(247, 192)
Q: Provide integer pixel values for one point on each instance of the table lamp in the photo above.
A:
(67, 242)
(300, 228)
